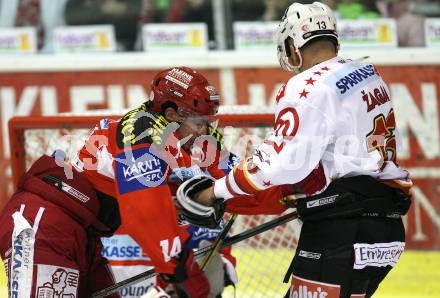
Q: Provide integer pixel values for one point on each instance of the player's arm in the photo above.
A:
(95, 161)
(265, 202)
(290, 154)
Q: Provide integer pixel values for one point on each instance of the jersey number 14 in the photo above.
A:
(176, 248)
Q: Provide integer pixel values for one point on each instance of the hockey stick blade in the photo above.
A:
(216, 245)
(228, 242)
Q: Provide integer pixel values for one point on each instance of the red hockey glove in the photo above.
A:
(190, 281)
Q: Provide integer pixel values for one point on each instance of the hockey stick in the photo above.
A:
(216, 245)
(228, 242)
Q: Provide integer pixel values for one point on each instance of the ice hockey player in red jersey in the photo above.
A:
(334, 118)
(140, 160)
(50, 234)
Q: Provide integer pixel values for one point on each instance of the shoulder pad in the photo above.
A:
(140, 126)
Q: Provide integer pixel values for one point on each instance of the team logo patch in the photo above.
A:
(287, 123)
(56, 282)
(305, 28)
(139, 169)
(377, 254)
(179, 77)
(304, 288)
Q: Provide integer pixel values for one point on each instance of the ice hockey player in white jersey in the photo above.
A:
(334, 139)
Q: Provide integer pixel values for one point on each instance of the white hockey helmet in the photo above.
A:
(303, 23)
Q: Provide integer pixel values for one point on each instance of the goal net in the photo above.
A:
(261, 260)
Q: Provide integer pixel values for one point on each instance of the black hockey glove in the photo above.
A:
(194, 212)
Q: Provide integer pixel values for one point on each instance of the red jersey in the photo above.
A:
(44, 238)
(121, 159)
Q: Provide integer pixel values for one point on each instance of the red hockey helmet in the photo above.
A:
(186, 88)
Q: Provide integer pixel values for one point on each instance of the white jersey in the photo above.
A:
(336, 116)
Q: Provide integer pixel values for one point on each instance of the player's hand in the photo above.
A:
(191, 281)
(188, 279)
(290, 201)
(197, 203)
(205, 197)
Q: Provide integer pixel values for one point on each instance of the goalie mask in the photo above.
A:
(303, 23)
(196, 213)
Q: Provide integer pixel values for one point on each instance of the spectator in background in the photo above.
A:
(247, 10)
(350, 9)
(410, 26)
(44, 15)
(428, 8)
(200, 11)
(124, 15)
(192, 11)
(155, 11)
(266, 10)
(178, 11)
